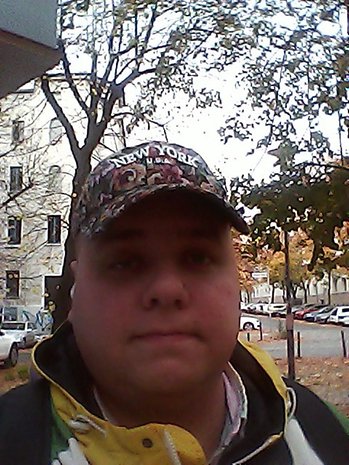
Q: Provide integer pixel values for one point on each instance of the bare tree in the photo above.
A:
(141, 49)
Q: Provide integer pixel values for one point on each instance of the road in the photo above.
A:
(316, 340)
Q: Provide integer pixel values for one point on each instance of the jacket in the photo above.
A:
(286, 423)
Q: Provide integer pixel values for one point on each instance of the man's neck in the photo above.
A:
(200, 412)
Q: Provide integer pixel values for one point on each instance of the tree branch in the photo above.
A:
(154, 15)
(17, 194)
(73, 142)
(70, 80)
(96, 132)
(6, 153)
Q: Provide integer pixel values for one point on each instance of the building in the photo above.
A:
(35, 178)
(316, 289)
(36, 172)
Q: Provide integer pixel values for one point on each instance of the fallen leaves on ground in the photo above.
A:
(328, 377)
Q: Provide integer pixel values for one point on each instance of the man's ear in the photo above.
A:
(73, 266)
(72, 290)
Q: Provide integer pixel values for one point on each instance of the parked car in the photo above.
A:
(264, 309)
(324, 315)
(338, 314)
(243, 306)
(313, 314)
(300, 314)
(8, 350)
(252, 308)
(41, 335)
(277, 309)
(24, 332)
(345, 321)
(249, 322)
(296, 308)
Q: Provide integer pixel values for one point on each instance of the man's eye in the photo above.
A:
(124, 265)
(199, 258)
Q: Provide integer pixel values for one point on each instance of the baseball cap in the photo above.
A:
(128, 176)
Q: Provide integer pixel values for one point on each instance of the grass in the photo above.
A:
(23, 372)
(19, 373)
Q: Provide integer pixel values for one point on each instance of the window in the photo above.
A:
(56, 131)
(9, 313)
(16, 178)
(13, 326)
(17, 131)
(54, 179)
(54, 229)
(12, 284)
(14, 230)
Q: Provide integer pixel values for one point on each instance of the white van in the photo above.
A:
(338, 314)
(23, 332)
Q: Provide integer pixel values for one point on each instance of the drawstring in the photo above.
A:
(291, 402)
(171, 448)
(82, 424)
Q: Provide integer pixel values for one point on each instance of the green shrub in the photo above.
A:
(23, 372)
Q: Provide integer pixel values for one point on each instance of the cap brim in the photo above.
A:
(115, 208)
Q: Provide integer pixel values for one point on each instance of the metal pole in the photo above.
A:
(289, 314)
(298, 344)
(343, 344)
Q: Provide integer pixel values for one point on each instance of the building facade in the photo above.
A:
(316, 290)
(36, 173)
(35, 178)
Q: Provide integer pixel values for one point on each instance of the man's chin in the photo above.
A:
(170, 379)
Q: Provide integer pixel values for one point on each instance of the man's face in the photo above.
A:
(155, 307)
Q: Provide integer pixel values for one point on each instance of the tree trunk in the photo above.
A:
(305, 291)
(329, 288)
(272, 293)
(61, 292)
(284, 292)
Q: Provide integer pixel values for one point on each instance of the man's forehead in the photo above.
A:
(182, 204)
(189, 228)
(176, 213)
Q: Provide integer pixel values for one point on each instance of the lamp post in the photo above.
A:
(289, 314)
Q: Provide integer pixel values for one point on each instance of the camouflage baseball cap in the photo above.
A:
(126, 177)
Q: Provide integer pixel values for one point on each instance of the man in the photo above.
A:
(148, 369)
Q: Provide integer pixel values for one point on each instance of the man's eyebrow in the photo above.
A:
(115, 235)
(204, 233)
(122, 235)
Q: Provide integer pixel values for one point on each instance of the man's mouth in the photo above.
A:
(165, 336)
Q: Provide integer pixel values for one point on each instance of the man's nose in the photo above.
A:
(166, 289)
